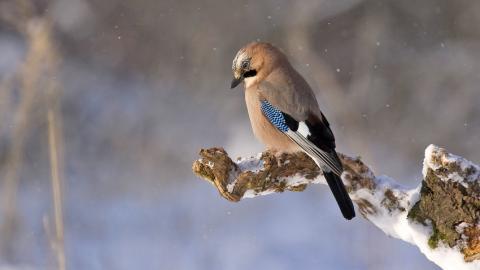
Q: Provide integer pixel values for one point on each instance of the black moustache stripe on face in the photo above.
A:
(250, 73)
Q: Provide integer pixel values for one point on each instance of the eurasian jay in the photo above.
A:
(284, 113)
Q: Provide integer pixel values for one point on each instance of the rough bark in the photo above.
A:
(446, 204)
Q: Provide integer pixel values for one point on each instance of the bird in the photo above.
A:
(285, 115)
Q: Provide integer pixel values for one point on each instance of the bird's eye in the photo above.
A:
(244, 65)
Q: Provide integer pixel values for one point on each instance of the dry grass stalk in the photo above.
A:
(36, 82)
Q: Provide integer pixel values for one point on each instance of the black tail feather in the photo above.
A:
(340, 193)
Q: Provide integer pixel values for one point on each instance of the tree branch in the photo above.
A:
(440, 216)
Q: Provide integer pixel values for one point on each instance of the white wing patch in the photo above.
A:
(303, 129)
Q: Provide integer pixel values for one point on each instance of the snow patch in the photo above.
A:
(253, 164)
(460, 228)
(399, 226)
(436, 157)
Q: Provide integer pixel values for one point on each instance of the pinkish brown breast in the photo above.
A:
(262, 128)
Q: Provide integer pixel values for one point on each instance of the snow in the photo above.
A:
(393, 220)
(251, 193)
(253, 164)
(436, 157)
(398, 226)
(461, 227)
(297, 180)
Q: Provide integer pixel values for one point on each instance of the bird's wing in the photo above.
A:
(311, 134)
(288, 91)
(290, 105)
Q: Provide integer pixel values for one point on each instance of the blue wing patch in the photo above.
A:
(274, 115)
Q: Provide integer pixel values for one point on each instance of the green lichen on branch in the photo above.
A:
(435, 238)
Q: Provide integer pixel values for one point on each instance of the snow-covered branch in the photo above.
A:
(440, 216)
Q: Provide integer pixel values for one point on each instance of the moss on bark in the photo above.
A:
(446, 202)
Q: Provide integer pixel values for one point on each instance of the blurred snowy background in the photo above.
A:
(138, 87)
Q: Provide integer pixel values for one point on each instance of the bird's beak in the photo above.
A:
(236, 81)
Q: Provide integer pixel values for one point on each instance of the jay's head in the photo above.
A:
(254, 62)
